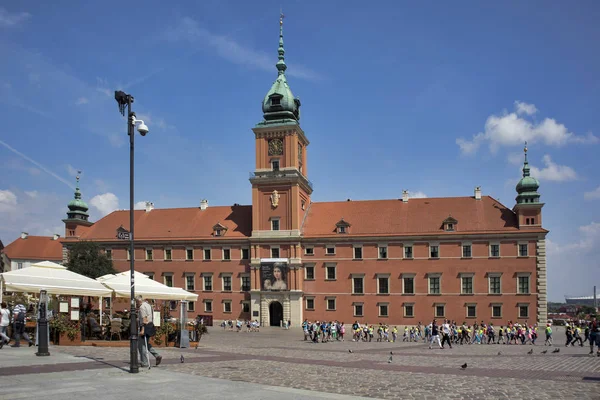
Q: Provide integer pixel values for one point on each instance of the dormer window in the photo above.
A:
(449, 224)
(342, 226)
(275, 101)
(219, 230)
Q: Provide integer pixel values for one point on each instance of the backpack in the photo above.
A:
(20, 317)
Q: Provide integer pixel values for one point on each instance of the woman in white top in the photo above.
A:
(4, 322)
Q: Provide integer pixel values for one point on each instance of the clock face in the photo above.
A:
(275, 147)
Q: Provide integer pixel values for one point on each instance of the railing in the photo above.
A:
(279, 173)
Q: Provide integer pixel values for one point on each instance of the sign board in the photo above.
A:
(274, 275)
(123, 234)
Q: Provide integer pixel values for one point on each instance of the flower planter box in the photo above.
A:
(64, 340)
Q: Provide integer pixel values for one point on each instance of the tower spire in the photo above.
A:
(526, 163)
(77, 191)
(281, 67)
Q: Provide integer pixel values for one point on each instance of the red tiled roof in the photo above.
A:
(416, 217)
(35, 248)
(175, 223)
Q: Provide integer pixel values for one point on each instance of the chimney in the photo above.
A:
(203, 204)
(405, 196)
(477, 192)
(24, 235)
(149, 206)
(56, 236)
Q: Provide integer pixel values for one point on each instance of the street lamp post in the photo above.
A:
(125, 100)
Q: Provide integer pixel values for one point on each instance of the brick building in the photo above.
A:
(286, 257)
(29, 249)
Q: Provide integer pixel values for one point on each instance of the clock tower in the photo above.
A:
(280, 200)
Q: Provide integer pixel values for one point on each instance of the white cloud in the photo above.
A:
(140, 205)
(511, 129)
(189, 30)
(105, 203)
(33, 193)
(8, 200)
(82, 100)
(8, 19)
(524, 108)
(116, 140)
(593, 195)
(416, 195)
(590, 237)
(516, 158)
(553, 171)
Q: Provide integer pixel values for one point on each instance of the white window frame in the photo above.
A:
(387, 306)
(223, 276)
(151, 250)
(193, 275)
(242, 253)
(494, 275)
(327, 303)
(356, 276)
(312, 248)
(362, 307)
(206, 303)
(191, 306)
(223, 254)
(467, 275)
(306, 266)
(412, 251)
(204, 249)
(519, 248)
(462, 249)
(435, 306)
(242, 276)
(434, 275)
(411, 276)
(165, 254)
(342, 229)
(212, 281)
(521, 275)
(519, 305)
(330, 265)
(306, 299)
(434, 244)
(467, 310)
(330, 246)
(128, 253)
(278, 220)
(492, 309)
(382, 276)
(186, 254)
(404, 310)
(449, 227)
(271, 248)
(170, 274)
(387, 251)
(225, 303)
(362, 254)
(499, 249)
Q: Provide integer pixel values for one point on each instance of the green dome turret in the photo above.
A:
(528, 186)
(279, 105)
(78, 209)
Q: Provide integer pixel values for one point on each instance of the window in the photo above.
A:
(358, 252)
(274, 252)
(383, 309)
(309, 251)
(467, 284)
(227, 306)
(526, 221)
(275, 101)
(275, 165)
(449, 226)
(150, 275)
(245, 283)
(408, 285)
(168, 255)
(409, 310)
(523, 249)
(218, 232)
(189, 254)
(471, 311)
(383, 285)
(494, 250)
(341, 229)
(128, 254)
(532, 221)
(523, 284)
(173, 305)
(227, 283)
(309, 272)
(207, 256)
(310, 303)
(189, 282)
(168, 279)
(245, 254)
(207, 283)
(191, 306)
(496, 311)
(408, 251)
(434, 285)
(494, 281)
(108, 254)
(149, 255)
(20, 265)
(331, 304)
(330, 272)
(383, 251)
(207, 305)
(523, 310)
(358, 285)
(440, 310)
(434, 251)
(226, 254)
(466, 251)
(275, 224)
(330, 250)
(245, 306)
(358, 309)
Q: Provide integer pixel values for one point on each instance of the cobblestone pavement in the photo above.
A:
(282, 358)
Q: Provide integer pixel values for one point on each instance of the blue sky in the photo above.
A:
(435, 98)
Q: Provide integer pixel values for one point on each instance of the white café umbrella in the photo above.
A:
(148, 288)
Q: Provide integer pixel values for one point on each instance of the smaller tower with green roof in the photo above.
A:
(528, 207)
(77, 216)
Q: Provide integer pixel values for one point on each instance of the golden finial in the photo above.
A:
(525, 149)
(281, 16)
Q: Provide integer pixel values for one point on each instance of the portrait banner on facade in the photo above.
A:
(273, 276)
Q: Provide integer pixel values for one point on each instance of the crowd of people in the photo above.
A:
(251, 326)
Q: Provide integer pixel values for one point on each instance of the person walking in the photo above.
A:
(147, 330)
(435, 335)
(4, 322)
(19, 313)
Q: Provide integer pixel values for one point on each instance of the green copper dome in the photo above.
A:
(528, 186)
(279, 105)
(78, 209)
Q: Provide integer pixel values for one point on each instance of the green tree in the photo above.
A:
(86, 259)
